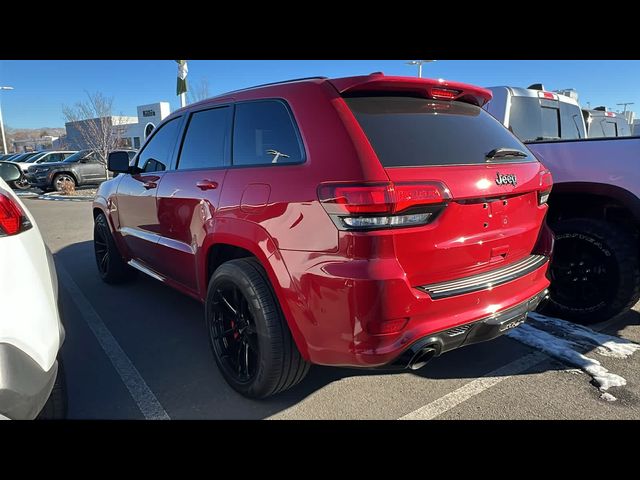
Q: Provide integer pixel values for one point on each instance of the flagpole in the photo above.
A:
(182, 82)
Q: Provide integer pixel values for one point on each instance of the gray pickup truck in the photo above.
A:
(81, 168)
(601, 123)
(594, 208)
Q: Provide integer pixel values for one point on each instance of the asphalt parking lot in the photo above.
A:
(140, 351)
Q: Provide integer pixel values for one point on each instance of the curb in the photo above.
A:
(64, 198)
(27, 195)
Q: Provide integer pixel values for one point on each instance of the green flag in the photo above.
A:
(182, 77)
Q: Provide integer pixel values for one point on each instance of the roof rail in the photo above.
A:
(536, 86)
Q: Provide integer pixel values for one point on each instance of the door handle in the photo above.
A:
(207, 185)
(149, 185)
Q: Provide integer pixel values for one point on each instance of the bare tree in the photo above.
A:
(99, 129)
(198, 91)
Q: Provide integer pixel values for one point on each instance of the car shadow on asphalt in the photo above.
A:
(163, 334)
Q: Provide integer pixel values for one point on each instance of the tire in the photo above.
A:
(111, 267)
(595, 272)
(246, 328)
(56, 406)
(60, 178)
(21, 184)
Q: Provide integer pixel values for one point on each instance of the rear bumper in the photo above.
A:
(477, 332)
(24, 386)
(338, 307)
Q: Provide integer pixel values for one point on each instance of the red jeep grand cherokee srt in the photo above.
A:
(364, 222)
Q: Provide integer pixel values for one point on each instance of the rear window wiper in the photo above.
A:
(500, 153)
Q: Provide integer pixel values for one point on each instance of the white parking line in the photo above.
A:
(139, 390)
(473, 388)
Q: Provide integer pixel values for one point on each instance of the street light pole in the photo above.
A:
(625, 106)
(4, 140)
(419, 63)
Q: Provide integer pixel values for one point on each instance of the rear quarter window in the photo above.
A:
(407, 131)
(264, 133)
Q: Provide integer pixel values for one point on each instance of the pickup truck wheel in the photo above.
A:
(60, 179)
(595, 273)
(111, 267)
(56, 406)
(251, 342)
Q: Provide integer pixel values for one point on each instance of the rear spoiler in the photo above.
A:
(423, 87)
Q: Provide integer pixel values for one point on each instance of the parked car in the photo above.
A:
(21, 183)
(24, 157)
(369, 221)
(81, 168)
(6, 156)
(601, 123)
(40, 157)
(594, 207)
(31, 333)
(51, 156)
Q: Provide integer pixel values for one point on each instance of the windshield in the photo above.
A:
(408, 131)
(35, 157)
(77, 156)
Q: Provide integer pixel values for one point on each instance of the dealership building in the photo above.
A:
(132, 130)
(149, 116)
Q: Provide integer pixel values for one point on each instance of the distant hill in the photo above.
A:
(22, 133)
(29, 134)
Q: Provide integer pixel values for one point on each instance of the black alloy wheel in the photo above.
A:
(233, 333)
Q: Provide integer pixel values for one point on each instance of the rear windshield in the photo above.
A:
(608, 127)
(537, 119)
(410, 132)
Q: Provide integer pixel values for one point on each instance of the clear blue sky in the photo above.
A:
(43, 87)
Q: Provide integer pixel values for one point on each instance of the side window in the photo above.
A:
(264, 133)
(55, 157)
(205, 143)
(92, 158)
(156, 155)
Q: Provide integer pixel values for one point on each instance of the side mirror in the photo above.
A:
(118, 162)
(10, 172)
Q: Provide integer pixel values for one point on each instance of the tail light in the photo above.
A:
(546, 183)
(445, 93)
(12, 219)
(547, 95)
(382, 205)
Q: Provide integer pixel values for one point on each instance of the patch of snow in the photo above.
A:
(608, 397)
(565, 350)
(574, 371)
(606, 345)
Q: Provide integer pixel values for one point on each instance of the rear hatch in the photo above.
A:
(490, 213)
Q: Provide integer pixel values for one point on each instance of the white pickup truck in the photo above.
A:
(594, 206)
